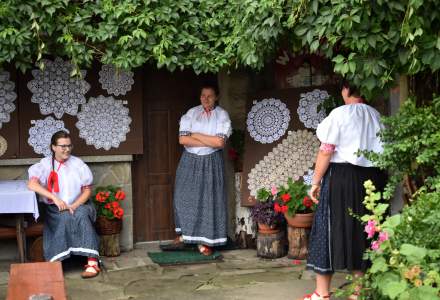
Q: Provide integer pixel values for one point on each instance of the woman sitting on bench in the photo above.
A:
(64, 183)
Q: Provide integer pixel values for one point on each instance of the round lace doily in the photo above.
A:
(41, 133)
(308, 177)
(103, 122)
(7, 97)
(290, 158)
(268, 120)
(3, 145)
(55, 91)
(116, 82)
(308, 108)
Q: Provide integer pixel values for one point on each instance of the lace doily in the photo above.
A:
(41, 133)
(3, 145)
(308, 108)
(308, 177)
(268, 120)
(116, 82)
(7, 97)
(103, 122)
(290, 158)
(55, 91)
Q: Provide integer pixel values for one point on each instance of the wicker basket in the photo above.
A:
(105, 226)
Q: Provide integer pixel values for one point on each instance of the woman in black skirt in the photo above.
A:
(200, 207)
(337, 239)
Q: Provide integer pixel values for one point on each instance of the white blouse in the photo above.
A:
(350, 128)
(73, 176)
(197, 120)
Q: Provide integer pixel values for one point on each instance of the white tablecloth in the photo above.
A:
(16, 198)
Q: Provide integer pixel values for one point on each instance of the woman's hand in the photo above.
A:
(60, 204)
(72, 208)
(314, 193)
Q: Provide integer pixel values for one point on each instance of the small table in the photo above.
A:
(36, 278)
(16, 198)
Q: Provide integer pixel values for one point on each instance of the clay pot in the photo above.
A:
(300, 220)
(264, 228)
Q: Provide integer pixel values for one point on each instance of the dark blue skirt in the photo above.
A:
(337, 239)
(200, 206)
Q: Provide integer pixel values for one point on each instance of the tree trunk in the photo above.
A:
(109, 245)
(271, 245)
(298, 242)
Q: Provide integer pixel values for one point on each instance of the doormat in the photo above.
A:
(182, 257)
(230, 245)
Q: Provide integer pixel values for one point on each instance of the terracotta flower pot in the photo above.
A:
(300, 220)
(264, 228)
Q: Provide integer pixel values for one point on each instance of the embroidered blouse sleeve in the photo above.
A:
(86, 176)
(224, 127)
(38, 172)
(185, 124)
(328, 131)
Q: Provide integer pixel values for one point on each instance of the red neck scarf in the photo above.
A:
(52, 180)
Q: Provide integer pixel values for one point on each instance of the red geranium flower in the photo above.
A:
(277, 207)
(307, 202)
(285, 197)
(107, 205)
(120, 195)
(284, 209)
(115, 204)
(118, 213)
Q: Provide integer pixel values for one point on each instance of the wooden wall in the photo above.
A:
(16, 132)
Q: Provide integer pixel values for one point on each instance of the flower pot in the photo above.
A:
(300, 220)
(267, 229)
(105, 226)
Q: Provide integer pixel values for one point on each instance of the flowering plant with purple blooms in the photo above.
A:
(264, 213)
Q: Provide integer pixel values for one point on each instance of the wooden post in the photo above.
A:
(298, 242)
(271, 245)
(109, 245)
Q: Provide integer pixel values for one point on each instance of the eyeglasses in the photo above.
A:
(64, 147)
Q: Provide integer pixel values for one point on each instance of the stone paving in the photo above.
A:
(240, 276)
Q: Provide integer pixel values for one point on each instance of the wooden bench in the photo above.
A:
(36, 278)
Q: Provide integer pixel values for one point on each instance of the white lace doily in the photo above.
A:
(308, 108)
(116, 82)
(103, 122)
(55, 91)
(290, 158)
(268, 120)
(7, 97)
(3, 145)
(308, 177)
(41, 133)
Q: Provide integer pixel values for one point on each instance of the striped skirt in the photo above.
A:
(200, 207)
(337, 240)
(65, 234)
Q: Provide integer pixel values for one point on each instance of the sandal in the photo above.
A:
(315, 296)
(205, 250)
(87, 274)
(353, 296)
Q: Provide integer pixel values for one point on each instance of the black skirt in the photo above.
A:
(337, 239)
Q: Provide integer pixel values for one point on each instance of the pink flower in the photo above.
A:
(370, 228)
(383, 236)
(274, 191)
(375, 245)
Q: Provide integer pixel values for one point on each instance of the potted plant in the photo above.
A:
(293, 201)
(264, 214)
(108, 209)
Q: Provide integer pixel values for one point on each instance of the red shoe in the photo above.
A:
(87, 274)
(205, 250)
